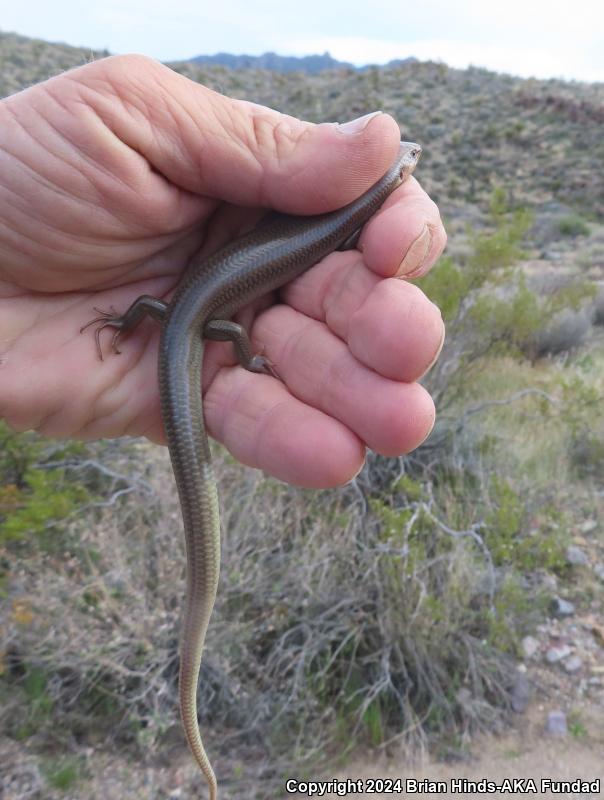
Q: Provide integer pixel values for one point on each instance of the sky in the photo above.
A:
(540, 38)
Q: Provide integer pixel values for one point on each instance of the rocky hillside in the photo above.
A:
(274, 61)
(440, 595)
(540, 139)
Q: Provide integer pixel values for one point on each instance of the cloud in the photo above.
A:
(526, 61)
(523, 37)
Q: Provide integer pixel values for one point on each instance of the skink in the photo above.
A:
(211, 291)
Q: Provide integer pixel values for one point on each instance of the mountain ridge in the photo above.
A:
(539, 139)
(270, 60)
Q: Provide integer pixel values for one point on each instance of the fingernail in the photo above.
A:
(416, 254)
(356, 125)
(436, 355)
(431, 428)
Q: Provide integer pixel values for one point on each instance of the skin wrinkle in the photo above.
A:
(32, 214)
(184, 120)
(82, 238)
(41, 420)
(113, 175)
(244, 133)
(45, 426)
(131, 397)
(333, 299)
(46, 244)
(273, 172)
(23, 237)
(233, 399)
(392, 294)
(41, 180)
(292, 341)
(6, 223)
(270, 152)
(126, 427)
(79, 238)
(286, 139)
(264, 419)
(336, 374)
(261, 138)
(184, 130)
(39, 423)
(35, 173)
(334, 476)
(34, 322)
(201, 142)
(105, 109)
(126, 93)
(73, 146)
(303, 291)
(217, 133)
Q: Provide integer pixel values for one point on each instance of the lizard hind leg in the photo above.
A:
(224, 330)
(143, 306)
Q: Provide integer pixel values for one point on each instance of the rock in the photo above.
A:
(599, 571)
(521, 693)
(576, 556)
(556, 723)
(530, 646)
(551, 255)
(464, 696)
(550, 582)
(597, 631)
(573, 664)
(562, 608)
(588, 526)
(557, 653)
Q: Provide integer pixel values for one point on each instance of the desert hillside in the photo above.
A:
(439, 600)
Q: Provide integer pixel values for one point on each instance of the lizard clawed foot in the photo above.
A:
(261, 364)
(106, 319)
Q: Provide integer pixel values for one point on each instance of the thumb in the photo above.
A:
(238, 151)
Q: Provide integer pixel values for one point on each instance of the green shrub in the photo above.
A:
(33, 494)
(39, 702)
(510, 539)
(63, 775)
(573, 225)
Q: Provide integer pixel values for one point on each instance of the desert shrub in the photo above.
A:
(518, 539)
(567, 329)
(599, 305)
(587, 453)
(342, 618)
(573, 225)
(36, 495)
(489, 309)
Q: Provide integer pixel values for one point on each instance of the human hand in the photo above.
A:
(114, 175)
